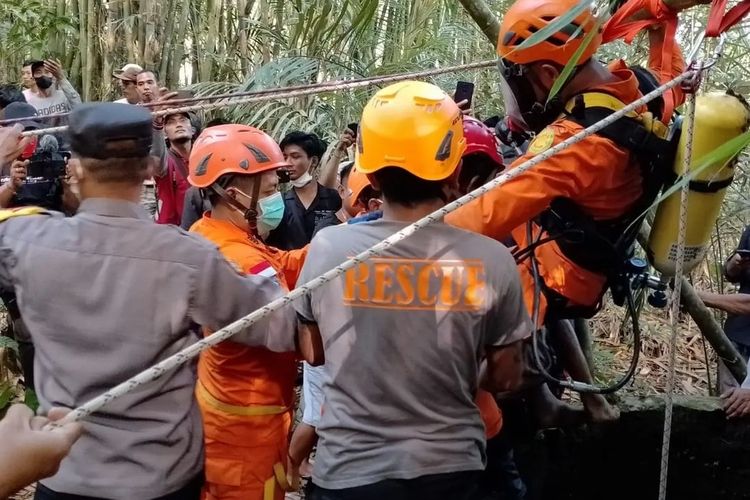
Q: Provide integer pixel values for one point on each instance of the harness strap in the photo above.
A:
(604, 246)
(718, 22)
(206, 397)
(622, 26)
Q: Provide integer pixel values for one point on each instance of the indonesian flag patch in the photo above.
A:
(263, 269)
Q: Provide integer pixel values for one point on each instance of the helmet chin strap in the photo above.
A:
(249, 213)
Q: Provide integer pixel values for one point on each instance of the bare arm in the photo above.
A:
(302, 443)
(737, 303)
(329, 172)
(310, 343)
(504, 368)
(158, 153)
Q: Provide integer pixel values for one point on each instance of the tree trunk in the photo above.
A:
(705, 321)
(179, 43)
(127, 27)
(713, 332)
(167, 49)
(83, 44)
(481, 13)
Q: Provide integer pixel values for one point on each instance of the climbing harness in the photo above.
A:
(607, 247)
(280, 93)
(241, 324)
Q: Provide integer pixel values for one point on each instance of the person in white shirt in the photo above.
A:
(126, 78)
(54, 93)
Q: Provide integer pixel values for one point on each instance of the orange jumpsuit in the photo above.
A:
(599, 176)
(246, 394)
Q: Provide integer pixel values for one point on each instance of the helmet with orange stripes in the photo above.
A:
(527, 17)
(414, 126)
(232, 150)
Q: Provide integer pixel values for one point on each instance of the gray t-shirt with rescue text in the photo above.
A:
(404, 335)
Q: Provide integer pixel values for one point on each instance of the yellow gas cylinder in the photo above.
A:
(719, 117)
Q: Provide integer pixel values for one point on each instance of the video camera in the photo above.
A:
(44, 175)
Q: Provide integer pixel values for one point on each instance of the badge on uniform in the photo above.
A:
(542, 142)
(9, 213)
(263, 269)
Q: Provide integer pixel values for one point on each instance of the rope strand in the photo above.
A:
(280, 92)
(241, 324)
(675, 306)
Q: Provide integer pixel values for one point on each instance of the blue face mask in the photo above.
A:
(271, 210)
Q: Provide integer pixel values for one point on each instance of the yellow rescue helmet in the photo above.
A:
(414, 126)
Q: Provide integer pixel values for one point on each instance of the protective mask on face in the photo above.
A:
(43, 82)
(271, 210)
(302, 181)
(521, 103)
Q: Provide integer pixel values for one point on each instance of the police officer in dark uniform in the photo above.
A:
(107, 293)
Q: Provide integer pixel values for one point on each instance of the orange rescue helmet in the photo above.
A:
(414, 126)
(357, 182)
(232, 149)
(526, 17)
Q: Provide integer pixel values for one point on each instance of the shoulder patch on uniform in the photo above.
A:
(263, 269)
(9, 213)
(542, 142)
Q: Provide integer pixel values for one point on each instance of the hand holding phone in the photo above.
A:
(744, 254)
(464, 92)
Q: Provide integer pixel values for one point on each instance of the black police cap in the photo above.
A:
(18, 110)
(105, 130)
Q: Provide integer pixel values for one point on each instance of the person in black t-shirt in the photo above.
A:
(307, 202)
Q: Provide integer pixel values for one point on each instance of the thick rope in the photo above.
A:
(675, 305)
(299, 92)
(241, 324)
(373, 80)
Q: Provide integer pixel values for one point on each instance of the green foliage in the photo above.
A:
(26, 26)
(30, 399)
(8, 343)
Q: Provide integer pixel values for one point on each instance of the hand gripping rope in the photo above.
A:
(225, 333)
(291, 92)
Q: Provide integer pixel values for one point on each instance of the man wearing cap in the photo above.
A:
(171, 176)
(126, 77)
(107, 293)
(54, 94)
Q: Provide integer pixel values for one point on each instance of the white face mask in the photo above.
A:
(302, 181)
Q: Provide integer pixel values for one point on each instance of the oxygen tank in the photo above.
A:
(719, 117)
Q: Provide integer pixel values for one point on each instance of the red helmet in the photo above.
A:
(480, 139)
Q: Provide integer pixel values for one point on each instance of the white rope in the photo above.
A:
(241, 324)
(297, 92)
(689, 120)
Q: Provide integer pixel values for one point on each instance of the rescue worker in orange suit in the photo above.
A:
(601, 178)
(246, 394)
